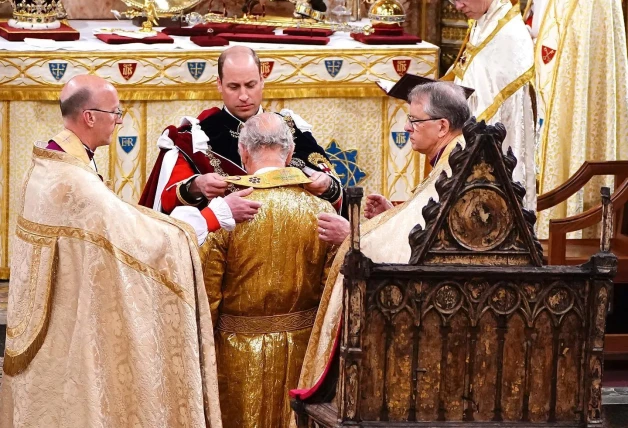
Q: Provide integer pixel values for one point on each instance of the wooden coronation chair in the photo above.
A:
(558, 250)
(474, 331)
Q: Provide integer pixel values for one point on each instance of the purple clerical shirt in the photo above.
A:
(52, 145)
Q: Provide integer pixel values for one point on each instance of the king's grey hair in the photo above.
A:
(266, 131)
(443, 100)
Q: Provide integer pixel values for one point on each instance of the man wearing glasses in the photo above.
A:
(438, 112)
(108, 301)
(497, 61)
(92, 125)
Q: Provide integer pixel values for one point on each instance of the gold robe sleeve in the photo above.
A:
(214, 254)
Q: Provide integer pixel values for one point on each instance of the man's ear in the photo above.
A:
(219, 84)
(444, 127)
(88, 118)
(261, 79)
(244, 154)
(289, 157)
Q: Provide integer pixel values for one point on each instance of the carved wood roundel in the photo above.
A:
(480, 219)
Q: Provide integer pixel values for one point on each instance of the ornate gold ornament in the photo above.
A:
(36, 14)
(213, 18)
(154, 9)
(387, 12)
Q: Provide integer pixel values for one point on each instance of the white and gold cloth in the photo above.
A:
(108, 318)
(582, 87)
(498, 62)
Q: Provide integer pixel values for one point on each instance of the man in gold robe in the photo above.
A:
(264, 281)
(108, 319)
(438, 112)
(497, 61)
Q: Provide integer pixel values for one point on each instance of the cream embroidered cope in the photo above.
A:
(499, 65)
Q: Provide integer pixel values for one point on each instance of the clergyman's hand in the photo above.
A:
(209, 185)
(376, 204)
(333, 228)
(320, 183)
(242, 209)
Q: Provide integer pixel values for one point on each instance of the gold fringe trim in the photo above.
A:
(201, 92)
(506, 93)
(15, 362)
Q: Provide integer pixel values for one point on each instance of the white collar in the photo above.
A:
(260, 110)
(265, 170)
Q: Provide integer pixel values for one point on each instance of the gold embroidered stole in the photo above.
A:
(468, 52)
(72, 145)
(289, 176)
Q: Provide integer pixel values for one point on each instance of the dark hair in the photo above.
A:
(75, 103)
(225, 54)
(444, 99)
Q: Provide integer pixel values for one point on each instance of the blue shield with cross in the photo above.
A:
(57, 69)
(333, 66)
(196, 68)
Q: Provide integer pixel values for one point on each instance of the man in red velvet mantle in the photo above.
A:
(195, 156)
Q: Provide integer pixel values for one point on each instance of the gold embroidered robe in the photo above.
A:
(582, 97)
(384, 239)
(108, 320)
(266, 268)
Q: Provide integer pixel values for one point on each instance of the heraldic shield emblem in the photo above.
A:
(401, 66)
(57, 69)
(196, 68)
(127, 69)
(400, 138)
(333, 66)
(267, 68)
(127, 143)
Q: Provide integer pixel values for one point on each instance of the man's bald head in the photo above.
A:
(91, 109)
(240, 55)
(79, 93)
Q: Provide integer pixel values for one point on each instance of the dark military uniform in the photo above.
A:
(223, 131)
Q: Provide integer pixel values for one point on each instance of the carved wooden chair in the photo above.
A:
(474, 331)
(558, 250)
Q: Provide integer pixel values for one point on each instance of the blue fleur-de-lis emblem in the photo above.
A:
(196, 68)
(57, 69)
(345, 164)
(127, 143)
(400, 138)
(333, 66)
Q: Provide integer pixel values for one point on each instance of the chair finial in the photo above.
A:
(607, 220)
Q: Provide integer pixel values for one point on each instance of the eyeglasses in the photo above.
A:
(412, 120)
(117, 112)
(453, 2)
